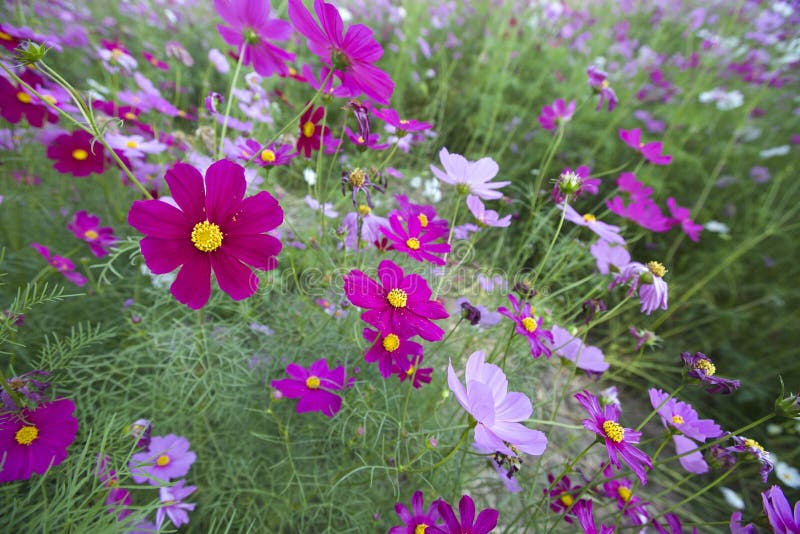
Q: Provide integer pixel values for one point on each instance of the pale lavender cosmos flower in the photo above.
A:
(653, 290)
(470, 177)
(751, 446)
(496, 410)
(779, 511)
(609, 257)
(463, 231)
(217, 58)
(371, 225)
(586, 357)
(172, 505)
(484, 216)
(134, 146)
(327, 207)
(605, 231)
(168, 457)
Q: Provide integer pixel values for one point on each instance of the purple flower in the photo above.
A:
(561, 496)
(470, 177)
(414, 241)
(141, 430)
(168, 457)
(25, 385)
(653, 290)
(391, 117)
(621, 490)
(469, 524)
(371, 225)
(736, 525)
(650, 151)
(172, 504)
(682, 216)
(486, 217)
(598, 80)
(574, 183)
(779, 511)
(314, 387)
(586, 357)
(327, 207)
(250, 29)
(754, 448)
(86, 227)
(411, 370)
(607, 232)
(609, 256)
(61, 264)
(583, 511)
(389, 349)
(701, 367)
(418, 519)
(529, 326)
(370, 142)
(556, 113)
(674, 525)
(497, 411)
(340, 91)
(645, 337)
(619, 441)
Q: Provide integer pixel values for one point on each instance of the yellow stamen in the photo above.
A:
(25, 98)
(529, 324)
(50, 98)
(410, 371)
(268, 156)
(614, 431)
(707, 366)
(130, 116)
(589, 218)
(390, 343)
(421, 528)
(566, 499)
(308, 129)
(91, 235)
(656, 268)
(292, 71)
(206, 236)
(423, 220)
(404, 121)
(678, 420)
(360, 140)
(312, 382)
(624, 493)
(5, 37)
(162, 460)
(412, 243)
(357, 178)
(132, 144)
(753, 444)
(363, 209)
(397, 298)
(604, 84)
(80, 154)
(26, 435)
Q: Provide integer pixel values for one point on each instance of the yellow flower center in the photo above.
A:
(130, 116)
(292, 71)
(529, 324)
(589, 218)
(162, 460)
(656, 268)
(25, 98)
(309, 128)
(421, 528)
(390, 343)
(132, 144)
(614, 431)
(206, 236)
(91, 235)
(412, 243)
(566, 499)
(80, 154)
(50, 98)
(363, 209)
(677, 419)
(117, 53)
(268, 156)
(410, 371)
(707, 366)
(312, 382)
(604, 84)
(397, 298)
(26, 435)
(360, 139)
(4, 36)
(624, 493)
(404, 121)
(423, 220)
(357, 178)
(753, 444)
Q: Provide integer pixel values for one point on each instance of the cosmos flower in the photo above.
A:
(621, 490)
(497, 411)
(607, 232)
(609, 256)
(574, 183)
(167, 458)
(701, 367)
(29, 385)
(61, 264)
(561, 495)
(682, 217)
(16, 103)
(388, 350)
(470, 177)
(469, 524)
(414, 242)
(33, 441)
(86, 226)
(754, 448)
(556, 113)
(779, 511)
(314, 387)
(650, 151)
(76, 154)
(586, 357)
(311, 134)
(583, 511)
(370, 225)
(399, 304)
(417, 519)
(653, 290)
(392, 118)
(529, 327)
(598, 81)
(619, 441)
(172, 505)
(411, 370)
(213, 228)
(273, 155)
(486, 217)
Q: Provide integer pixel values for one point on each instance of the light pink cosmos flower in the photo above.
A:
(471, 177)
(497, 411)
(134, 146)
(608, 256)
(484, 216)
(605, 231)
(586, 357)
(172, 505)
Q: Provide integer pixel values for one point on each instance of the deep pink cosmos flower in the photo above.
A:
(86, 227)
(682, 216)
(425, 214)
(650, 151)
(273, 155)
(167, 458)
(411, 370)
(154, 61)
(16, 103)
(621, 490)
(653, 290)
(574, 183)
(701, 367)
(353, 53)
(325, 82)
(403, 126)
(389, 350)
(644, 212)
(598, 81)
(61, 264)
(470, 177)
(497, 411)
(556, 113)
(32, 441)
(413, 241)
(371, 142)
(314, 387)
(252, 28)
(75, 154)
(400, 304)
(214, 227)
(417, 519)
(469, 524)
(172, 505)
(779, 511)
(529, 326)
(605, 231)
(562, 496)
(619, 441)
(311, 133)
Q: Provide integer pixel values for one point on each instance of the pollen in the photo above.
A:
(4, 36)
(25, 98)
(357, 178)
(206, 236)
(604, 84)
(91, 235)
(397, 298)
(753, 444)
(26, 435)
(614, 431)
(423, 220)
(309, 128)
(566, 499)
(162, 460)
(390, 343)
(706, 366)
(312, 382)
(404, 121)
(678, 420)
(656, 268)
(421, 528)
(132, 144)
(589, 218)
(50, 98)
(363, 209)
(412, 243)
(624, 493)
(410, 371)
(529, 324)
(361, 140)
(80, 154)
(131, 116)
(268, 156)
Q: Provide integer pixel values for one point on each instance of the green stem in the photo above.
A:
(229, 103)
(444, 460)
(552, 243)
(655, 410)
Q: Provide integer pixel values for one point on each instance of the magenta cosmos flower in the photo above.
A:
(469, 524)
(417, 519)
(414, 241)
(311, 133)
(32, 441)
(213, 227)
(529, 326)
(314, 387)
(167, 457)
(61, 264)
(403, 126)
(400, 304)
(252, 28)
(172, 505)
(353, 53)
(574, 183)
(389, 350)
(562, 496)
(16, 103)
(619, 441)
(470, 177)
(86, 226)
(682, 217)
(556, 113)
(621, 490)
(650, 151)
(497, 411)
(598, 81)
(779, 511)
(653, 290)
(75, 154)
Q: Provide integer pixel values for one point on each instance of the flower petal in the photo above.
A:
(234, 277)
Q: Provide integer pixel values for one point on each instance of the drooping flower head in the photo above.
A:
(86, 227)
(598, 81)
(399, 304)
(497, 411)
(172, 505)
(779, 511)
(314, 387)
(33, 441)
(213, 228)
(470, 177)
(61, 264)
(417, 519)
(76, 154)
(529, 326)
(141, 430)
(167, 458)
(29, 386)
(653, 290)
(619, 441)
(757, 452)
(701, 367)
(469, 524)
